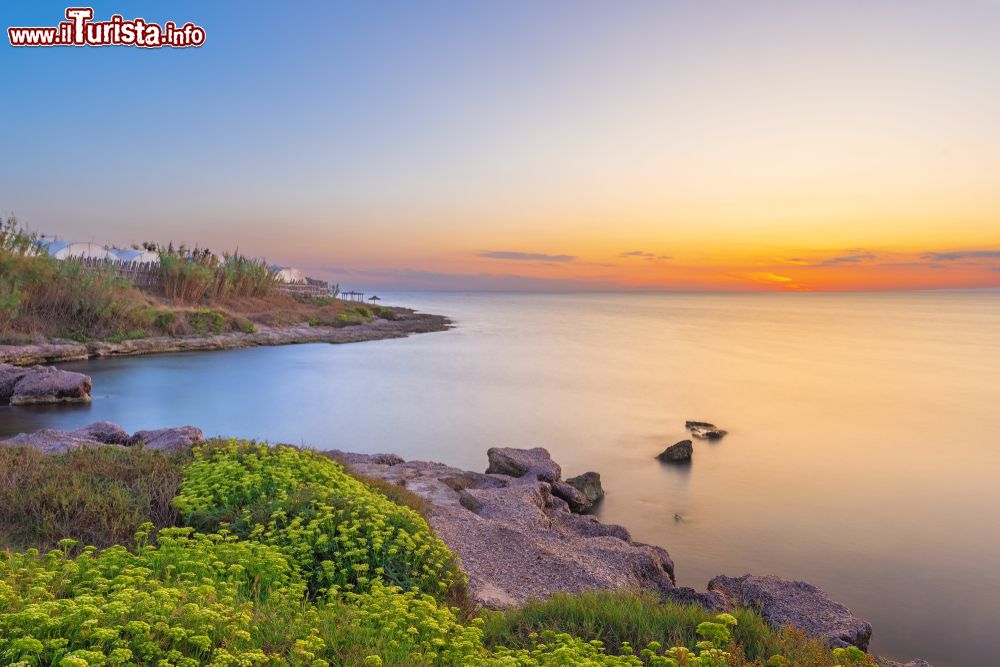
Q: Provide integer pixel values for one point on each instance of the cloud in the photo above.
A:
(765, 277)
(853, 258)
(526, 256)
(961, 254)
(642, 254)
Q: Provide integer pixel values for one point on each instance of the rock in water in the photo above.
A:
(704, 430)
(589, 484)
(533, 464)
(677, 453)
(797, 603)
(42, 384)
(168, 439)
(575, 499)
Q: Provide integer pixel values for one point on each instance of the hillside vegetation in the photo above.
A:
(279, 556)
(42, 298)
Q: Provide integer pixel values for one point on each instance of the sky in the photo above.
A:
(565, 145)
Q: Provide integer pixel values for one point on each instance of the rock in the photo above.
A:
(710, 600)
(796, 603)
(168, 439)
(574, 498)
(9, 377)
(516, 539)
(589, 484)
(52, 441)
(105, 432)
(42, 384)
(886, 662)
(704, 430)
(677, 453)
(350, 458)
(532, 464)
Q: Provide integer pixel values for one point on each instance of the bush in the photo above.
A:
(345, 535)
(195, 275)
(206, 322)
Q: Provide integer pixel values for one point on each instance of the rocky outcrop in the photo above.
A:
(704, 430)
(516, 539)
(168, 439)
(796, 603)
(405, 323)
(100, 434)
(679, 453)
(42, 384)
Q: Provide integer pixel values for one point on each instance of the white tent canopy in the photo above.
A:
(288, 274)
(77, 250)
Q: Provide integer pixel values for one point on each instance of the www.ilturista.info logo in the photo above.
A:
(80, 30)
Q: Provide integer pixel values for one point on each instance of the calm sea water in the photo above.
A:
(864, 446)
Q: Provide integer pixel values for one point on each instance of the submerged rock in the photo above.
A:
(797, 603)
(704, 430)
(168, 439)
(42, 384)
(681, 452)
(886, 662)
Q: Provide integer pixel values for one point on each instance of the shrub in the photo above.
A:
(345, 535)
(206, 321)
(192, 275)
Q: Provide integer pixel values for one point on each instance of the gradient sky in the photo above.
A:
(564, 145)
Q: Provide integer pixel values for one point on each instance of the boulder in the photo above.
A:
(42, 384)
(52, 441)
(704, 430)
(105, 432)
(531, 464)
(797, 603)
(589, 484)
(9, 377)
(681, 452)
(168, 439)
(574, 498)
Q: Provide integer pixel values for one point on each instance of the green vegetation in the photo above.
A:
(284, 558)
(38, 293)
(206, 321)
(194, 275)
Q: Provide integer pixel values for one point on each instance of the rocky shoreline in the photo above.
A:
(520, 534)
(406, 323)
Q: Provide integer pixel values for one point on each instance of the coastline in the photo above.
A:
(409, 322)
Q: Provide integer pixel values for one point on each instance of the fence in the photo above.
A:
(142, 274)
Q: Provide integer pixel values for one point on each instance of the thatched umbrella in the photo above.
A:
(373, 298)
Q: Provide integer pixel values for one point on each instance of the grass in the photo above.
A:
(99, 496)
